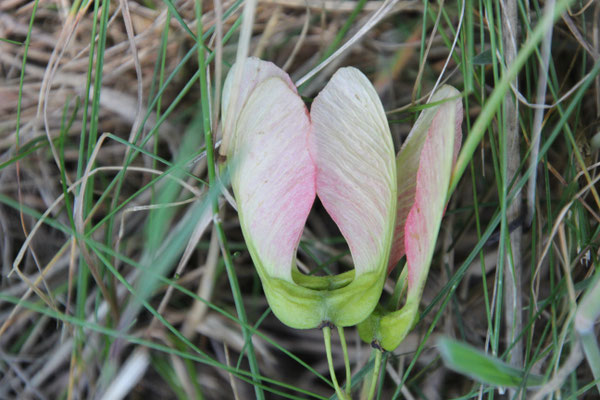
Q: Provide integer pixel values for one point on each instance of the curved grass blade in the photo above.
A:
(467, 360)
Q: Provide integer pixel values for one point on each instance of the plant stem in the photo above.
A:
(346, 361)
(327, 338)
(375, 375)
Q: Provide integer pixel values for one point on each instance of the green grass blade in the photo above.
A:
(482, 367)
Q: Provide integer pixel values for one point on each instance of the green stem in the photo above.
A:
(22, 76)
(375, 375)
(212, 181)
(327, 338)
(399, 290)
(346, 361)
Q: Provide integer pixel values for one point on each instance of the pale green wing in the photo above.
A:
(254, 71)
(408, 160)
(425, 162)
(352, 148)
(273, 178)
(433, 178)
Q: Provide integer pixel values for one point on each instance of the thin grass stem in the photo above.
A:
(327, 337)
(375, 376)
(346, 361)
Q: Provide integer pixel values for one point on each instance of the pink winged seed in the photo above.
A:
(410, 159)
(254, 72)
(274, 176)
(433, 177)
(352, 148)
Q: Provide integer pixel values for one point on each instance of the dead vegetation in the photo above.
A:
(69, 333)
